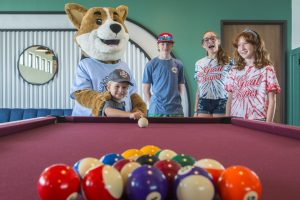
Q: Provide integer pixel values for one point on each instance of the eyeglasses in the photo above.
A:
(165, 38)
(213, 39)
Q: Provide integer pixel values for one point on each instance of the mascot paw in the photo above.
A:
(106, 96)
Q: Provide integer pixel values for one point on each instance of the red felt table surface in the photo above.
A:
(25, 154)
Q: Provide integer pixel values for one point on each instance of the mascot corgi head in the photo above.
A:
(101, 34)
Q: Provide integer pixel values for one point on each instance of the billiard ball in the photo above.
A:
(193, 182)
(169, 168)
(239, 182)
(150, 149)
(103, 182)
(111, 158)
(143, 122)
(166, 154)
(146, 182)
(147, 159)
(195, 187)
(213, 167)
(58, 181)
(132, 154)
(84, 164)
(184, 159)
(125, 167)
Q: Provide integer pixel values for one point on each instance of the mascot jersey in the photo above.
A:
(91, 74)
(250, 88)
(210, 77)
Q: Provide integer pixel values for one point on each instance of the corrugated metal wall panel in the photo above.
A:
(17, 93)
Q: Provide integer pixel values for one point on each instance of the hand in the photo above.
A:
(195, 114)
(136, 115)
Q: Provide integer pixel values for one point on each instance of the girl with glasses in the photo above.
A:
(210, 74)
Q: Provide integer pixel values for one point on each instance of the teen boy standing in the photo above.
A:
(164, 76)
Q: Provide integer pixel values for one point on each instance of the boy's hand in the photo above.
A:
(136, 115)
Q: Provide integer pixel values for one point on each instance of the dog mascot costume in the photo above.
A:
(102, 37)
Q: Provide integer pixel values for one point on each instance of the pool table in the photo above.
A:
(27, 147)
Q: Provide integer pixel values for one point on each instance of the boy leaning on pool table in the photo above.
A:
(117, 86)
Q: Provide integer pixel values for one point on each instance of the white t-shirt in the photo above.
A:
(93, 74)
(250, 88)
(210, 77)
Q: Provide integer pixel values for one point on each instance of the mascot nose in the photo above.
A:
(115, 28)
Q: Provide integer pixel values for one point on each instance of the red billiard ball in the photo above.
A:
(239, 182)
(102, 182)
(59, 182)
(169, 168)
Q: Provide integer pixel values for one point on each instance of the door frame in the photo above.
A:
(284, 61)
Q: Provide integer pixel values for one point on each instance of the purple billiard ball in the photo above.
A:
(147, 182)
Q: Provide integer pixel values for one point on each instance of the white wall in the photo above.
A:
(295, 24)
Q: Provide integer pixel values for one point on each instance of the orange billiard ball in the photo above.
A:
(239, 182)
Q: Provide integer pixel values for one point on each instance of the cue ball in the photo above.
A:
(143, 122)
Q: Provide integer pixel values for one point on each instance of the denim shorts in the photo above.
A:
(165, 115)
(212, 106)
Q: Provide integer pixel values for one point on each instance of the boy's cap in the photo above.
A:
(119, 75)
(165, 37)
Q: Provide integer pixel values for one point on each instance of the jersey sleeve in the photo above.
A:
(272, 82)
(82, 80)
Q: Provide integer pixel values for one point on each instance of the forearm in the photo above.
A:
(147, 93)
(271, 107)
(180, 88)
(196, 101)
(228, 104)
(111, 112)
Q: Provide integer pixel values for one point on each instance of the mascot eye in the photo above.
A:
(98, 21)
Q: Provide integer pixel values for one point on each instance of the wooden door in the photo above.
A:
(273, 35)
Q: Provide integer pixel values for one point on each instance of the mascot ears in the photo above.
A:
(76, 12)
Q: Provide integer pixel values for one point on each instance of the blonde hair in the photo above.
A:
(262, 56)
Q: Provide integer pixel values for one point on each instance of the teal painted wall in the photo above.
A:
(294, 85)
(187, 19)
